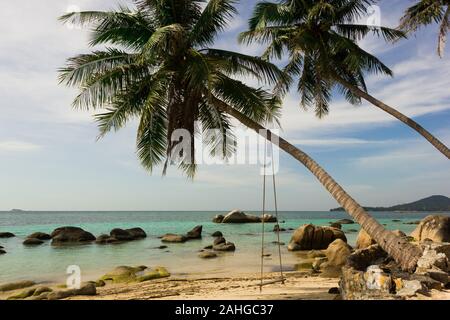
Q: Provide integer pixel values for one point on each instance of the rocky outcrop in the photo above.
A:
(40, 236)
(309, 237)
(68, 235)
(4, 235)
(433, 227)
(195, 233)
(237, 216)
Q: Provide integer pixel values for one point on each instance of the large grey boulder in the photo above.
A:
(237, 216)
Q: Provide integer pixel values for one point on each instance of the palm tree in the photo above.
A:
(321, 40)
(168, 77)
(426, 12)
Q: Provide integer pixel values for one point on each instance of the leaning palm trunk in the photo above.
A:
(404, 253)
(400, 116)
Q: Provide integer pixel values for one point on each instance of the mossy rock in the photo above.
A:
(123, 274)
(23, 295)
(62, 286)
(100, 283)
(41, 290)
(315, 254)
(304, 265)
(156, 273)
(16, 285)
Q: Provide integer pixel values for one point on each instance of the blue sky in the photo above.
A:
(50, 159)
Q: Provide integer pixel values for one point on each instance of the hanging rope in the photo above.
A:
(276, 215)
(263, 220)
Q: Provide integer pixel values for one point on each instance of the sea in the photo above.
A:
(46, 263)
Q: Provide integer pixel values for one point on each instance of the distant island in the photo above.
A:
(17, 210)
(433, 203)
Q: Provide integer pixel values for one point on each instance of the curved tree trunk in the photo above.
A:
(400, 116)
(401, 250)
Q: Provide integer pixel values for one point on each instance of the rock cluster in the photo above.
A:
(121, 235)
(237, 216)
(195, 233)
(309, 237)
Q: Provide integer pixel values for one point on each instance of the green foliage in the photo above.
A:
(157, 68)
(426, 12)
(321, 40)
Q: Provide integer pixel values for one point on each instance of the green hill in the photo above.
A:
(433, 203)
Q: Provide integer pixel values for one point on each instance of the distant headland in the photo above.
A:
(433, 203)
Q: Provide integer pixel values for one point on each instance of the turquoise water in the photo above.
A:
(47, 263)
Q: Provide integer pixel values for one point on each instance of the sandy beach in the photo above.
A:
(297, 286)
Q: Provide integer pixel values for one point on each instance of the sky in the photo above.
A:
(50, 158)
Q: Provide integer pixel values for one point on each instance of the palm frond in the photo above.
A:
(213, 19)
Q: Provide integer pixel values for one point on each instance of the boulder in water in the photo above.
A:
(217, 234)
(336, 225)
(207, 255)
(40, 236)
(237, 216)
(225, 246)
(6, 235)
(346, 221)
(195, 233)
(69, 235)
(32, 242)
(218, 218)
(176, 238)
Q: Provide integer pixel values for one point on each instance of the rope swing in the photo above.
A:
(281, 279)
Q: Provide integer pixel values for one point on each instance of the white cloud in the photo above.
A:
(17, 146)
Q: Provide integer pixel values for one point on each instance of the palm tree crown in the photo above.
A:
(160, 70)
(426, 12)
(321, 39)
